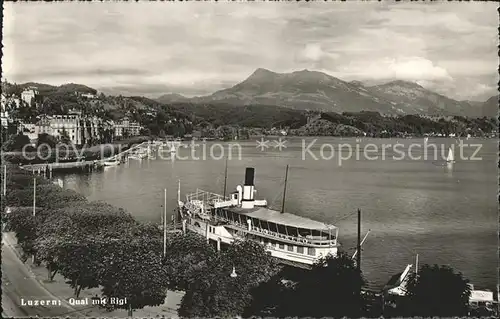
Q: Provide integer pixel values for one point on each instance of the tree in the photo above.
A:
(25, 113)
(22, 222)
(332, 288)
(214, 293)
(134, 271)
(51, 196)
(79, 261)
(181, 129)
(126, 133)
(47, 195)
(437, 291)
(269, 299)
(16, 143)
(67, 240)
(46, 139)
(64, 138)
(187, 254)
(90, 218)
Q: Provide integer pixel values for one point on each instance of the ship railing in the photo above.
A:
(279, 235)
(206, 197)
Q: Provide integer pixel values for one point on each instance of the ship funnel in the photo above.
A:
(249, 176)
(248, 189)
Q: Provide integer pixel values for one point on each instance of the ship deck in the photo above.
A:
(286, 219)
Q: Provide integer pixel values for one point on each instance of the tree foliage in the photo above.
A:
(132, 268)
(47, 195)
(214, 292)
(64, 138)
(67, 241)
(187, 254)
(437, 291)
(16, 143)
(46, 139)
(22, 222)
(332, 288)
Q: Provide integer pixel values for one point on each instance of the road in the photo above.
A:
(19, 283)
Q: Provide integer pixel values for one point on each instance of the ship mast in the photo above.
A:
(284, 191)
(225, 180)
(358, 259)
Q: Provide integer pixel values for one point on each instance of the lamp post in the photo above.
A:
(233, 273)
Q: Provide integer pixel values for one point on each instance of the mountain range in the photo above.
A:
(318, 91)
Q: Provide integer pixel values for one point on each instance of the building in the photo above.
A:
(92, 129)
(9, 103)
(29, 94)
(57, 124)
(481, 298)
(89, 96)
(70, 123)
(196, 134)
(80, 130)
(43, 125)
(4, 111)
(29, 130)
(126, 127)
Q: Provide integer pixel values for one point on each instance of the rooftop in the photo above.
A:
(481, 295)
(273, 216)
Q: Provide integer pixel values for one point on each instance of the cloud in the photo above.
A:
(201, 47)
(312, 52)
(404, 68)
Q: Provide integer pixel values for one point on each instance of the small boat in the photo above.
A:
(426, 139)
(111, 162)
(451, 157)
(139, 155)
(135, 157)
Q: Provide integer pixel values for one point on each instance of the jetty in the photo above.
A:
(85, 165)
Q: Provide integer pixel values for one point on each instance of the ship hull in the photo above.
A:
(287, 253)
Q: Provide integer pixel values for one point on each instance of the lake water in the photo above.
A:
(445, 214)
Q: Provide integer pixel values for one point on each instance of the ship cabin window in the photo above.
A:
(282, 246)
(300, 249)
(311, 251)
(289, 247)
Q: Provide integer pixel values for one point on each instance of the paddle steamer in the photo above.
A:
(293, 239)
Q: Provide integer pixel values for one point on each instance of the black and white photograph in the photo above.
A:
(238, 159)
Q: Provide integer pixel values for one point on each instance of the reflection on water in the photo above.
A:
(446, 214)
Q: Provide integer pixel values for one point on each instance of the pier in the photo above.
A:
(88, 165)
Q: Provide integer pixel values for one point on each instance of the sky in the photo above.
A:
(196, 48)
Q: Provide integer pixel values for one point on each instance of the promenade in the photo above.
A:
(29, 282)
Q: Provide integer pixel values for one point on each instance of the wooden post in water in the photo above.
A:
(416, 268)
(284, 191)
(498, 300)
(358, 256)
